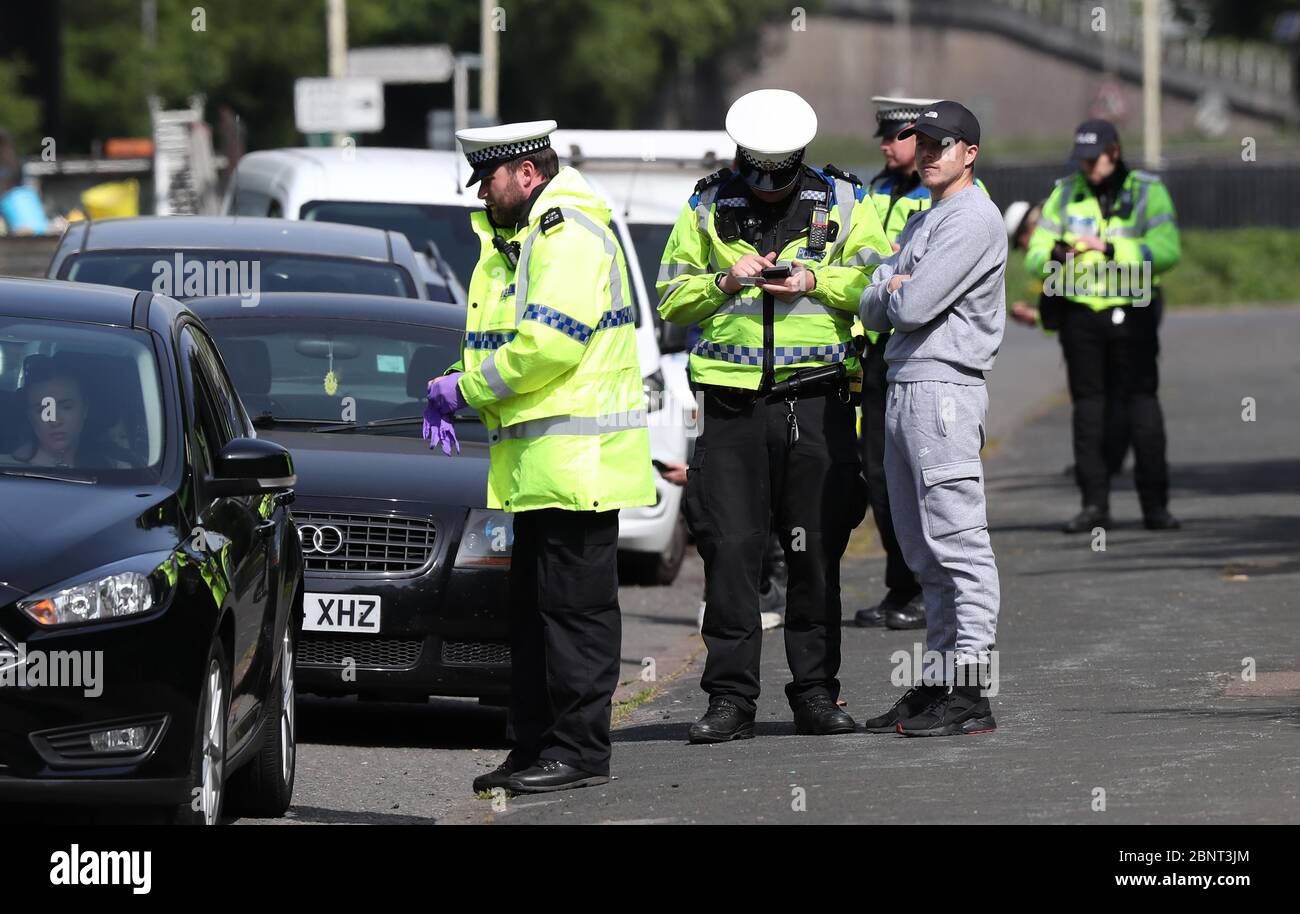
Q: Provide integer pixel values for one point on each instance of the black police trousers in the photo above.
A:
(745, 479)
(899, 580)
(565, 635)
(1113, 378)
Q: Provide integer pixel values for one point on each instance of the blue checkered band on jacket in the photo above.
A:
(624, 315)
(781, 355)
(812, 195)
(488, 339)
(558, 321)
(732, 201)
(507, 150)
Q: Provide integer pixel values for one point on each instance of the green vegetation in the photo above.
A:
(587, 63)
(1225, 267)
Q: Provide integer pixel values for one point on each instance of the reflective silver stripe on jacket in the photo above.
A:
(582, 219)
(865, 258)
(803, 305)
(670, 271)
(845, 200)
(570, 425)
(492, 376)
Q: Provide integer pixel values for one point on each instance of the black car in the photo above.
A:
(150, 574)
(192, 256)
(406, 582)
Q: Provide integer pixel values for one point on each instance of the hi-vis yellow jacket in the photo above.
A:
(550, 360)
(815, 329)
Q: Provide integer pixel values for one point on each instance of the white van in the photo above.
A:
(647, 176)
(422, 194)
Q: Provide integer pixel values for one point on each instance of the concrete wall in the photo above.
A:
(1015, 90)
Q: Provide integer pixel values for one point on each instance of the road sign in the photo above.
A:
(425, 63)
(345, 105)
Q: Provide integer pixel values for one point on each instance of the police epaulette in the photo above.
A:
(551, 218)
(720, 175)
(843, 175)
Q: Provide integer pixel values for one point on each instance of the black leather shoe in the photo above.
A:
(871, 617)
(724, 721)
(914, 701)
(962, 712)
(548, 775)
(910, 616)
(874, 616)
(1085, 520)
(1160, 519)
(498, 776)
(819, 716)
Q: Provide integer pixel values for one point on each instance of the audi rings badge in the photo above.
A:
(322, 539)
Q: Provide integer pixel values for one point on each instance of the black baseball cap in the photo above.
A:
(944, 120)
(1092, 137)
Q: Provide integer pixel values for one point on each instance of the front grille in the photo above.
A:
(360, 650)
(475, 653)
(365, 543)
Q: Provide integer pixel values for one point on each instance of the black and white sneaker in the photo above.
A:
(962, 712)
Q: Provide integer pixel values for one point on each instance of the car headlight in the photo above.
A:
(487, 541)
(113, 592)
(653, 385)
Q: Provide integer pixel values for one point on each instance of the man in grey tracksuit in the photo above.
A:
(943, 294)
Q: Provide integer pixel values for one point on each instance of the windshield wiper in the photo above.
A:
(267, 420)
(82, 480)
(397, 420)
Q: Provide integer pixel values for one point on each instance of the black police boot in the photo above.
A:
(724, 721)
(910, 616)
(1085, 520)
(548, 775)
(914, 701)
(1160, 519)
(962, 712)
(817, 715)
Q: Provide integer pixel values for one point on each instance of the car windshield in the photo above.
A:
(446, 226)
(79, 402)
(200, 273)
(307, 370)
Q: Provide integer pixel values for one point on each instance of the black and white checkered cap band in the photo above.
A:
(507, 150)
(768, 165)
(897, 114)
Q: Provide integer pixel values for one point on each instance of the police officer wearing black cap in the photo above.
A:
(1103, 238)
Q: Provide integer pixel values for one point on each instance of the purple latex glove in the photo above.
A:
(445, 395)
(439, 431)
(444, 399)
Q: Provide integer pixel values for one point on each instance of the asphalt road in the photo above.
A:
(1122, 692)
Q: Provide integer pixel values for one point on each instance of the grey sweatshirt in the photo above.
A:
(949, 317)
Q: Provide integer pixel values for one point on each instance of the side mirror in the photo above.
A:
(252, 466)
(672, 337)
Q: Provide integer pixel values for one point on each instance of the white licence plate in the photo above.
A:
(332, 612)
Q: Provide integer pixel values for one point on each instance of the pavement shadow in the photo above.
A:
(676, 732)
(436, 724)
